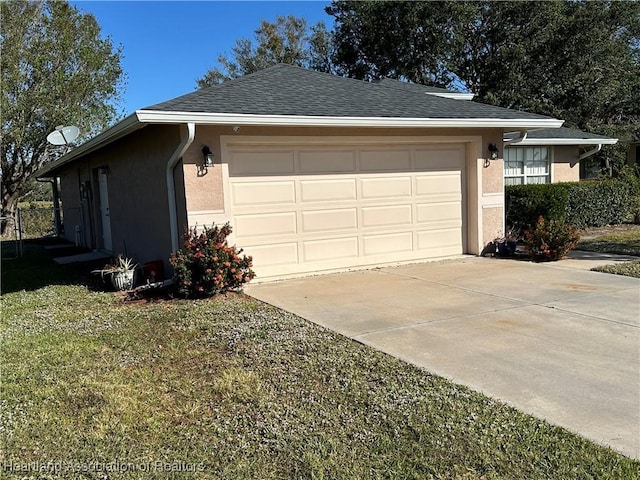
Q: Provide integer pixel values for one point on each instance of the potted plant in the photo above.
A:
(506, 245)
(121, 272)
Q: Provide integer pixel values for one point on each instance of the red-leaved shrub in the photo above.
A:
(550, 239)
(207, 265)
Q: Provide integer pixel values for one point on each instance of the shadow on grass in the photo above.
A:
(36, 269)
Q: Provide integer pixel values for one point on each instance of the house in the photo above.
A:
(314, 172)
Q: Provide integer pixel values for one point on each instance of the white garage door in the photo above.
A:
(300, 209)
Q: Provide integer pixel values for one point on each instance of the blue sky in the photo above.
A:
(168, 45)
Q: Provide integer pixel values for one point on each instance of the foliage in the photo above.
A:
(598, 203)
(550, 239)
(578, 61)
(287, 40)
(525, 203)
(402, 40)
(56, 69)
(119, 265)
(36, 219)
(582, 204)
(628, 269)
(207, 265)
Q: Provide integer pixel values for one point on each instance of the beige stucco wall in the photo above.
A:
(137, 191)
(205, 189)
(566, 164)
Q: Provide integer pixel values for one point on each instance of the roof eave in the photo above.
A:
(565, 141)
(155, 116)
(119, 130)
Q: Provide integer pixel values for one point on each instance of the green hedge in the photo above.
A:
(525, 203)
(582, 204)
(594, 204)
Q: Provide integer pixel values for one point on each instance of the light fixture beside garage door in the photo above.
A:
(493, 154)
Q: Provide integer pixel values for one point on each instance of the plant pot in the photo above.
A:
(122, 280)
(506, 249)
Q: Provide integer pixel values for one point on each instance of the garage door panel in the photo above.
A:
(439, 159)
(385, 187)
(327, 162)
(391, 215)
(275, 254)
(329, 189)
(263, 193)
(262, 163)
(265, 224)
(329, 220)
(385, 160)
(335, 248)
(389, 243)
(446, 240)
(438, 185)
(449, 212)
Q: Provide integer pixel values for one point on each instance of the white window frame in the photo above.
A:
(527, 156)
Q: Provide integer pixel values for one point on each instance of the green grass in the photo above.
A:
(628, 269)
(237, 389)
(624, 243)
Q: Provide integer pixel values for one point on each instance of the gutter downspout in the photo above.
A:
(187, 138)
(521, 138)
(593, 151)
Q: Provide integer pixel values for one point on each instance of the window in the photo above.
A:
(525, 165)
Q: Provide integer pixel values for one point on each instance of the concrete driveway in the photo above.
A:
(553, 339)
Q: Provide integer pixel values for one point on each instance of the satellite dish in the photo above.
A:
(63, 135)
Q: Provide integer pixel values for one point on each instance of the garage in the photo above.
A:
(331, 204)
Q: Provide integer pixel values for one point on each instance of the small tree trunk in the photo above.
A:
(8, 209)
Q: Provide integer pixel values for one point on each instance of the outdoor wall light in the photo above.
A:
(493, 151)
(207, 156)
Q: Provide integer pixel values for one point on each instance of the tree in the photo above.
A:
(402, 40)
(287, 40)
(55, 69)
(575, 60)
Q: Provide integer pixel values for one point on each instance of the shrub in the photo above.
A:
(525, 203)
(581, 204)
(599, 203)
(550, 239)
(207, 265)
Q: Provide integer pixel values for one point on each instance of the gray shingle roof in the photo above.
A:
(289, 90)
(390, 82)
(563, 132)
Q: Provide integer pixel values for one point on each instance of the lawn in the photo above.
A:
(624, 241)
(231, 388)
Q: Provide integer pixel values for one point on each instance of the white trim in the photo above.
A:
(593, 151)
(153, 116)
(119, 130)
(453, 95)
(268, 140)
(542, 142)
(187, 134)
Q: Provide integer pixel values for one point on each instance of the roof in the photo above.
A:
(560, 136)
(426, 89)
(295, 91)
(285, 95)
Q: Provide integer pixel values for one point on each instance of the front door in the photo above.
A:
(104, 211)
